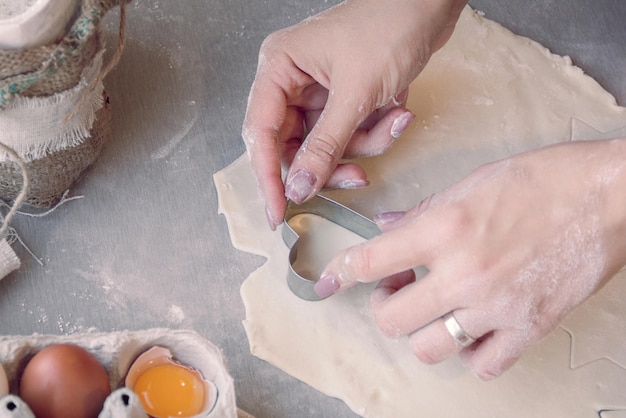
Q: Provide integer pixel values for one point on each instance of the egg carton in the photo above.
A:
(117, 351)
(122, 403)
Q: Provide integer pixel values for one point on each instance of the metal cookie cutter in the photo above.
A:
(333, 211)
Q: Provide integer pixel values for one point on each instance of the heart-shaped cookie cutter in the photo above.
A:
(333, 211)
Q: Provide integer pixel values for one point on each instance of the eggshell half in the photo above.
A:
(158, 356)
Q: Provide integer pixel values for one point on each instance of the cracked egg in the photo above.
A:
(169, 388)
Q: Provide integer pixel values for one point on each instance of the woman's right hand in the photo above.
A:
(334, 87)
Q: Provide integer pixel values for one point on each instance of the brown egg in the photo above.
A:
(64, 381)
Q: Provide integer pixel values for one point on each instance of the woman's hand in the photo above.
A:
(334, 87)
(510, 251)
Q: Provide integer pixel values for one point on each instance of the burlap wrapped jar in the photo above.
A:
(53, 109)
(54, 115)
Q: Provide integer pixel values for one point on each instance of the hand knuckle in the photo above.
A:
(385, 323)
(325, 148)
(272, 42)
(460, 218)
(358, 261)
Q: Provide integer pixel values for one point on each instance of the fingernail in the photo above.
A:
(388, 218)
(300, 186)
(270, 221)
(326, 285)
(401, 97)
(401, 123)
(352, 184)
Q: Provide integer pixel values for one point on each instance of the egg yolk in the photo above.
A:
(170, 390)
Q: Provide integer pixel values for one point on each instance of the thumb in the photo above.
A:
(324, 146)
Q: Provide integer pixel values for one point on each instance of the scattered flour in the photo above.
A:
(175, 315)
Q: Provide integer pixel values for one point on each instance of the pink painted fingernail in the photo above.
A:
(300, 186)
(326, 285)
(401, 123)
(352, 184)
(270, 221)
(388, 218)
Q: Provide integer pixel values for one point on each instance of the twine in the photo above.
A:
(21, 196)
(55, 172)
(51, 68)
(110, 65)
(52, 175)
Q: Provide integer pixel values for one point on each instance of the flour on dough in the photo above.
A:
(486, 95)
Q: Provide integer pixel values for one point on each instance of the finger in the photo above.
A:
(390, 285)
(387, 287)
(324, 146)
(387, 221)
(415, 306)
(381, 256)
(395, 282)
(261, 134)
(347, 176)
(364, 143)
(375, 139)
(397, 101)
(495, 354)
(381, 136)
(434, 343)
(419, 238)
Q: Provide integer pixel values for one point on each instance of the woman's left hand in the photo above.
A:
(510, 251)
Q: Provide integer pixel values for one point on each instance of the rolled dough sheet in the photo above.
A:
(486, 95)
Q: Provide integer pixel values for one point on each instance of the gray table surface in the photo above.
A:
(145, 246)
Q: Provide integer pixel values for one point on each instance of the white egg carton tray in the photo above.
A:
(117, 351)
